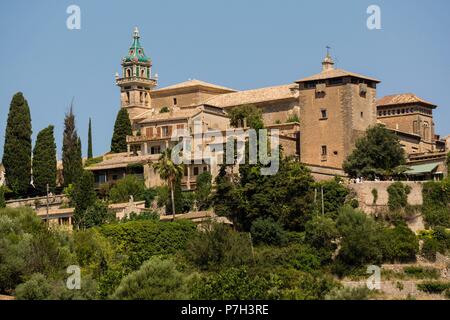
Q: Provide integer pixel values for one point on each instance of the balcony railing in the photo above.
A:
(120, 81)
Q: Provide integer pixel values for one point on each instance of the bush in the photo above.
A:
(36, 288)
(156, 279)
(139, 240)
(334, 196)
(234, 284)
(436, 199)
(433, 287)
(218, 246)
(429, 249)
(267, 231)
(361, 241)
(401, 244)
(203, 191)
(295, 256)
(422, 272)
(347, 293)
(398, 196)
(321, 233)
(130, 185)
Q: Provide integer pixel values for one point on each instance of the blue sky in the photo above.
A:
(235, 43)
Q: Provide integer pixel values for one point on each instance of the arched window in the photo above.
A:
(128, 73)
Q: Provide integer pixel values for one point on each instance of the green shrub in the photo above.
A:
(347, 293)
(422, 272)
(219, 246)
(36, 288)
(429, 249)
(139, 240)
(321, 233)
(92, 161)
(156, 279)
(375, 196)
(164, 110)
(436, 199)
(398, 196)
(295, 256)
(401, 244)
(433, 287)
(267, 231)
(234, 284)
(130, 185)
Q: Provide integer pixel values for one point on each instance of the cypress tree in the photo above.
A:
(44, 161)
(71, 150)
(17, 147)
(84, 196)
(89, 151)
(122, 128)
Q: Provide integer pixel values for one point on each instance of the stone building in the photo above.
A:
(319, 117)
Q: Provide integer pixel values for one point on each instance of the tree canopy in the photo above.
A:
(250, 113)
(17, 147)
(122, 129)
(377, 153)
(44, 161)
(71, 150)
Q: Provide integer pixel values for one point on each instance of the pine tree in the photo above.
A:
(71, 150)
(2, 197)
(89, 151)
(122, 128)
(17, 147)
(84, 196)
(44, 161)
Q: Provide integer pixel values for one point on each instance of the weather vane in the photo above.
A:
(328, 50)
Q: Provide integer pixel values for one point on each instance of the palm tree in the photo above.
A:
(170, 172)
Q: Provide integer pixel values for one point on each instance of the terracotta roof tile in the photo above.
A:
(335, 73)
(253, 96)
(194, 83)
(405, 98)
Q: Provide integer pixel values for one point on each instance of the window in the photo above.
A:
(323, 113)
(324, 151)
(195, 171)
(362, 114)
(174, 101)
(165, 131)
(155, 150)
(205, 168)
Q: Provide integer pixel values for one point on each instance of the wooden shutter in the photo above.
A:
(158, 132)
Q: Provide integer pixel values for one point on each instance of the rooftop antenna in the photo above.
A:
(328, 50)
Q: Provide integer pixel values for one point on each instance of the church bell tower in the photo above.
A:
(137, 80)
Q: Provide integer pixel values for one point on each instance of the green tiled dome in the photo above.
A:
(136, 52)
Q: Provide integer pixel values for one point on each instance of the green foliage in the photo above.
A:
(36, 288)
(84, 196)
(218, 246)
(130, 185)
(44, 161)
(234, 284)
(250, 113)
(401, 244)
(89, 150)
(437, 241)
(436, 199)
(429, 249)
(378, 153)
(156, 279)
(294, 256)
(71, 151)
(375, 196)
(361, 241)
(2, 197)
(172, 173)
(203, 190)
(139, 240)
(122, 129)
(27, 247)
(164, 110)
(398, 196)
(321, 233)
(348, 293)
(92, 161)
(17, 147)
(287, 196)
(334, 196)
(268, 231)
(293, 118)
(433, 287)
(421, 272)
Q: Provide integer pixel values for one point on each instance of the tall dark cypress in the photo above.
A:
(122, 128)
(71, 150)
(44, 161)
(89, 151)
(17, 147)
